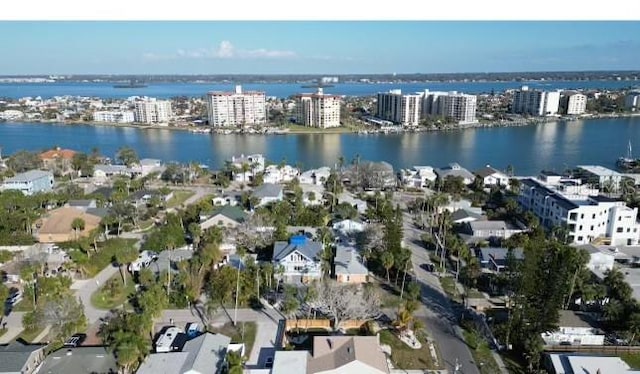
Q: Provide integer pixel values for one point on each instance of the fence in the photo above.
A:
(325, 324)
(601, 349)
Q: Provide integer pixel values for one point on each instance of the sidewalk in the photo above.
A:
(14, 327)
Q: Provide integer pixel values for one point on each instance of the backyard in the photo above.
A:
(244, 332)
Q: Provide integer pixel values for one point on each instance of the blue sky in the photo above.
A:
(219, 47)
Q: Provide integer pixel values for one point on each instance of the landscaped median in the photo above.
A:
(113, 293)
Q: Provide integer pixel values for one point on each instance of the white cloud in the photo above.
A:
(226, 50)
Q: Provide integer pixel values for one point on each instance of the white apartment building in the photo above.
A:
(114, 116)
(535, 102)
(238, 108)
(459, 106)
(152, 111)
(632, 101)
(398, 108)
(558, 202)
(318, 110)
(574, 103)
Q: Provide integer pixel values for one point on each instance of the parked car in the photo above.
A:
(192, 330)
(15, 296)
(75, 340)
(428, 267)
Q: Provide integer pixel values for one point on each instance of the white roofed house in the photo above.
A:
(348, 198)
(348, 226)
(277, 174)
(492, 177)
(418, 176)
(315, 176)
(492, 229)
(574, 328)
(300, 259)
(455, 170)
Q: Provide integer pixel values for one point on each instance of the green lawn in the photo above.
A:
(236, 334)
(179, 197)
(449, 286)
(101, 300)
(26, 305)
(481, 353)
(29, 335)
(472, 293)
(104, 257)
(404, 357)
(633, 359)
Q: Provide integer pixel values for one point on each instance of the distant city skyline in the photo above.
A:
(269, 47)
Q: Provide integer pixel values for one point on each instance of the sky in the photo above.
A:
(346, 47)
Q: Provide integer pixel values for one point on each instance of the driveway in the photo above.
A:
(84, 288)
(14, 326)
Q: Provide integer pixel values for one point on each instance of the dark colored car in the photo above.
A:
(428, 267)
(75, 340)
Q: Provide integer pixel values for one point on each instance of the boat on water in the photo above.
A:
(628, 163)
(132, 84)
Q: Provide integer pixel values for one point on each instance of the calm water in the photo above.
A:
(529, 149)
(106, 90)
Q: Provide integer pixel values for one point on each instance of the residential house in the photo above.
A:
(574, 328)
(79, 360)
(492, 229)
(226, 216)
(418, 176)
(18, 358)
(58, 160)
(254, 164)
(360, 205)
(492, 177)
(147, 166)
(276, 174)
(104, 172)
(315, 176)
(203, 354)
(348, 226)
(229, 198)
(348, 265)
(56, 226)
(143, 197)
(334, 355)
(312, 194)
(600, 259)
(464, 216)
(584, 363)
(300, 258)
(268, 193)
(30, 182)
(168, 260)
(496, 258)
(82, 204)
(455, 170)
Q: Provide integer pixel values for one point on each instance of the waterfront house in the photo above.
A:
(315, 176)
(103, 172)
(276, 174)
(226, 216)
(30, 182)
(80, 360)
(492, 177)
(418, 176)
(58, 160)
(268, 193)
(348, 265)
(347, 197)
(300, 259)
(205, 353)
(147, 166)
(254, 163)
(19, 358)
(455, 170)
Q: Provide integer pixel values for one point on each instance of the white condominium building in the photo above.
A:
(238, 108)
(318, 110)
(114, 116)
(632, 101)
(574, 103)
(585, 214)
(459, 106)
(152, 111)
(535, 102)
(398, 108)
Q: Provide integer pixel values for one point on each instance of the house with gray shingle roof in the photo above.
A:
(203, 354)
(79, 360)
(348, 266)
(20, 358)
(492, 177)
(268, 193)
(300, 259)
(226, 216)
(455, 170)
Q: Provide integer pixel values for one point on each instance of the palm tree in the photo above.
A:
(196, 232)
(77, 224)
(245, 169)
(234, 360)
(387, 262)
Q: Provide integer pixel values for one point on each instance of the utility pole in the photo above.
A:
(235, 313)
(403, 279)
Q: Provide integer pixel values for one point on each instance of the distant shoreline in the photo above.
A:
(298, 130)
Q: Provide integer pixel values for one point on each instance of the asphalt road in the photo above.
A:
(436, 311)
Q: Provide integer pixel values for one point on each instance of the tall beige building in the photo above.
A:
(318, 110)
(236, 108)
(152, 111)
(574, 103)
(461, 107)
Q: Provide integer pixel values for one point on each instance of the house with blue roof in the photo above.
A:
(300, 258)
